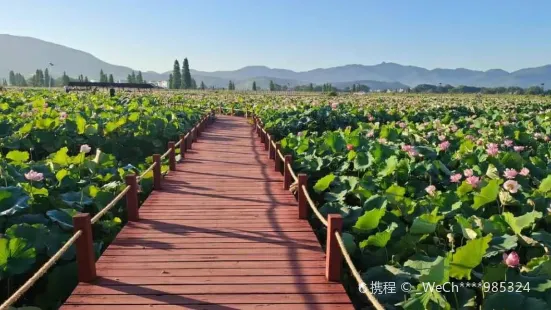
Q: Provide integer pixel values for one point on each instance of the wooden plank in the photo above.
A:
(199, 299)
(331, 306)
(211, 288)
(212, 265)
(168, 278)
(214, 273)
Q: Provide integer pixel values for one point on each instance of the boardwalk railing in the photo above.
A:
(335, 247)
(82, 223)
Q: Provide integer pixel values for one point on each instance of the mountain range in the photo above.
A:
(26, 54)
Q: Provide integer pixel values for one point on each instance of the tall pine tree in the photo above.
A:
(272, 85)
(254, 85)
(170, 81)
(176, 75)
(102, 76)
(65, 79)
(203, 86)
(139, 78)
(134, 79)
(47, 79)
(186, 75)
(111, 79)
(12, 78)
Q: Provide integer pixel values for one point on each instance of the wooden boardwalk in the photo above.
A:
(221, 234)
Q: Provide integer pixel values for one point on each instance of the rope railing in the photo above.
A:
(280, 155)
(82, 222)
(313, 207)
(356, 274)
(293, 175)
(335, 248)
(166, 154)
(146, 171)
(32, 280)
(110, 205)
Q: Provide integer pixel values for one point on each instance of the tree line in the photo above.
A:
(42, 78)
(462, 89)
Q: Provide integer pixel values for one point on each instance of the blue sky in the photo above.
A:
(292, 34)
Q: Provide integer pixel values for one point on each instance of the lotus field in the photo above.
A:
(433, 191)
(68, 153)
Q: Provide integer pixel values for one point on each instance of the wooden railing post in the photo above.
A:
(132, 198)
(287, 178)
(182, 147)
(195, 134)
(232, 113)
(270, 149)
(277, 160)
(190, 139)
(220, 110)
(262, 137)
(333, 256)
(302, 203)
(157, 172)
(172, 156)
(86, 258)
(266, 142)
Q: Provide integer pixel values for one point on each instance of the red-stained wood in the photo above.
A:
(132, 210)
(85, 248)
(219, 232)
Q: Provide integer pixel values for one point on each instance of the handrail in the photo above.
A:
(32, 280)
(313, 206)
(281, 155)
(292, 172)
(166, 154)
(147, 170)
(356, 274)
(273, 144)
(110, 205)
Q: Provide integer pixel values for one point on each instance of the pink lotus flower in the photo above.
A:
(370, 134)
(524, 172)
(469, 137)
(63, 116)
(413, 153)
(468, 172)
(431, 190)
(546, 138)
(444, 145)
(402, 125)
(473, 181)
(441, 137)
(512, 259)
(479, 142)
(299, 134)
(510, 173)
(492, 149)
(511, 186)
(453, 128)
(518, 148)
(349, 147)
(407, 147)
(85, 148)
(34, 176)
(334, 105)
(382, 140)
(455, 178)
(508, 142)
(370, 117)
(45, 105)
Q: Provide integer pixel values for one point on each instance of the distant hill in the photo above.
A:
(25, 55)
